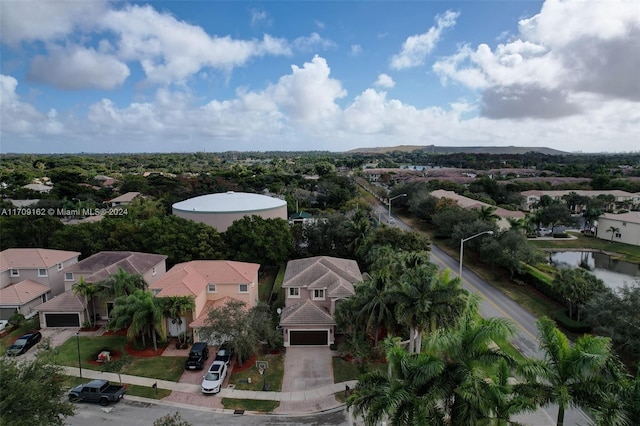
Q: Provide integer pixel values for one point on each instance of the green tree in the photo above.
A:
(175, 307)
(120, 284)
(87, 291)
(173, 419)
(141, 314)
(259, 240)
(568, 375)
(32, 393)
(577, 287)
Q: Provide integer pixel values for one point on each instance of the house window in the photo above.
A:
(294, 292)
(211, 288)
(318, 294)
(153, 271)
(156, 291)
(15, 272)
(60, 266)
(243, 288)
(42, 272)
(618, 235)
(68, 276)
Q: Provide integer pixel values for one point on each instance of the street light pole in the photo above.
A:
(462, 248)
(79, 360)
(390, 200)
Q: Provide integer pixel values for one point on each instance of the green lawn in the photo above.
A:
(273, 375)
(344, 370)
(250, 404)
(159, 367)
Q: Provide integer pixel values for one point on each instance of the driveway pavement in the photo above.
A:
(307, 368)
(56, 337)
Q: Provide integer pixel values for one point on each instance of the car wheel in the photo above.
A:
(73, 398)
(104, 402)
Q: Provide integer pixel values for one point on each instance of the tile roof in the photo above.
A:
(125, 198)
(105, 263)
(201, 321)
(631, 217)
(470, 203)
(32, 258)
(23, 292)
(191, 278)
(305, 313)
(66, 302)
(335, 274)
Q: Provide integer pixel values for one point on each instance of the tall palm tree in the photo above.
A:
(121, 283)
(378, 307)
(175, 307)
(86, 290)
(568, 375)
(613, 231)
(141, 314)
(487, 214)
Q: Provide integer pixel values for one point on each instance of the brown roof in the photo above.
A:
(335, 274)
(191, 278)
(305, 313)
(23, 292)
(470, 203)
(201, 321)
(125, 198)
(66, 302)
(106, 263)
(32, 258)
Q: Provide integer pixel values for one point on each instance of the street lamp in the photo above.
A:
(462, 248)
(390, 200)
(79, 361)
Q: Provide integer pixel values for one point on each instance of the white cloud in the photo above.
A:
(356, 50)
(566, 49)
(312, 42)
(78, 68)
(46, 20)
(385, 81)
(258, 16)
(417, 47)
(319, 24)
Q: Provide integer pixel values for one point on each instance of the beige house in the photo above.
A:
(68, 310)
(124, 199)
(469, 203)
(211, 283)
(313, 288)
(620, 199)
(621, 228)
(31, 276)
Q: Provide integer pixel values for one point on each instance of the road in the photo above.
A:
(135, 413)
(497, 304)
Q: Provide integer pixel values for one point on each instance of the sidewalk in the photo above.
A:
(308, 401)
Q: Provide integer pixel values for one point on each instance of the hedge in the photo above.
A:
(569, 324)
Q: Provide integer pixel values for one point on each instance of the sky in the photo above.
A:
(216, 76)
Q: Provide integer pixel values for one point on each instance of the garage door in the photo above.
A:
(62, 320)
(315, 337)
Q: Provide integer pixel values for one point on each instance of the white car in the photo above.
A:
(3, 325)
(212, 381)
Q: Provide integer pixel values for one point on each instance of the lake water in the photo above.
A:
(614, 273)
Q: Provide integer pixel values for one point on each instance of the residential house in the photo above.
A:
(212, 283)
(469, 203)
(38, 187)
(313, 288)
(94, 269)
(124, 199)
(31, 276)
(621, 228)
(619, 198)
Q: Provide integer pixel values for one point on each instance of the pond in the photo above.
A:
(614, 273)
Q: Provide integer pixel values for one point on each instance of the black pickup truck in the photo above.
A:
(97, 391)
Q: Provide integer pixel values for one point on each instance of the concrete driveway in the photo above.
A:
(56, 337)
(307, 368)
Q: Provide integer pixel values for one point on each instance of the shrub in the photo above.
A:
(569, 324)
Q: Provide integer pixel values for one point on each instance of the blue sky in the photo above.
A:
(100, 76)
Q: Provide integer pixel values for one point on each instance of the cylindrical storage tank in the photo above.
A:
(222, 209)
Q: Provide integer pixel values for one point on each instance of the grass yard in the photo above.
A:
(273, 375)
(250, 404)
(157, 367)
(344, 370)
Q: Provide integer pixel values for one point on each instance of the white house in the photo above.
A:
(622, 228)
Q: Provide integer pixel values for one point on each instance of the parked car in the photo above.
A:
(97, 391)
(24, 343)
(225, 353)
(198, 354)
(212, 381)
(3, 325)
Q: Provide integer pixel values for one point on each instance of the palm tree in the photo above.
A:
(140, 312)
(121, 283)
(487, 214)
(174, 307)
(613, 231)
(86, 290)
(577, 286)
(377, 307)
(568, 375)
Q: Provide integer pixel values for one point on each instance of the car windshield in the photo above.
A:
(20, 342)
(222, 352)
(212, 376)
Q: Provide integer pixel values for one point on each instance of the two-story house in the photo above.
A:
(69, 309)
(31, 276)
(313, 288)
(212, 283)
